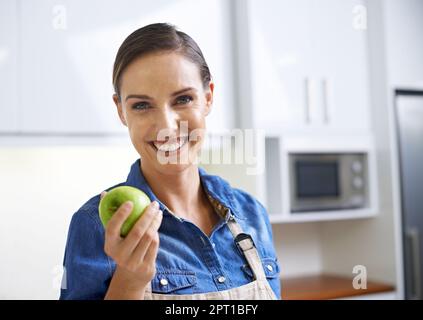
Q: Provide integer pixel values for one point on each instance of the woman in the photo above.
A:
(215, 241)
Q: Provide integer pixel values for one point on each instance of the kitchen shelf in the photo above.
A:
(321, 216)
(325, 286)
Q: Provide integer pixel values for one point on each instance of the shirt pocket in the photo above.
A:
(270, 267)
(174, 281)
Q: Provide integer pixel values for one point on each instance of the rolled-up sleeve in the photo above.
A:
(87, 269)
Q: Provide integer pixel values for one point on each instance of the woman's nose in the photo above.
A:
(167, 119)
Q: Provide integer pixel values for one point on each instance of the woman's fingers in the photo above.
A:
(103, 193)
(115, 223)
(151, 253)
(151, 235)
(131, 250)
(138, 230)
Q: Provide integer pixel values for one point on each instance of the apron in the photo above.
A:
(258, 289)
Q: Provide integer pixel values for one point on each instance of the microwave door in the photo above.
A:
(315, 183)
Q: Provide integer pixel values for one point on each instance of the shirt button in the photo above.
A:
(269, 267)
(214, 244)
(221, 279)
(164, 282)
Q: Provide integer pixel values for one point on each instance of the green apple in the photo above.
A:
(115, 198)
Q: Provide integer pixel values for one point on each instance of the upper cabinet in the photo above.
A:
(66, 52)
(8, 66)
(404, 42)
(309, 64)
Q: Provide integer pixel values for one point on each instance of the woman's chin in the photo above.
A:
(172, 168)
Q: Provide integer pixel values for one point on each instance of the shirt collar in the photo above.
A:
(215, 186)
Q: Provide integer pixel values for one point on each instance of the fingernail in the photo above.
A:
(128, 205)
(155, 205)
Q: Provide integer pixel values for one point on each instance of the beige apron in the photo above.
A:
(259, 289)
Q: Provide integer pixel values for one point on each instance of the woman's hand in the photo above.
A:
(135, 255)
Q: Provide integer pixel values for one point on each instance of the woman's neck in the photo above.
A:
(181, 193)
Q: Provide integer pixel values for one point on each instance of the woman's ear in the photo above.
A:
(209, 97)
(120, 111)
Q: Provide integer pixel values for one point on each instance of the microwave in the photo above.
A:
(328, 181)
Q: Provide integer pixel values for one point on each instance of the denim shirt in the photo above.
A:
(189, 260)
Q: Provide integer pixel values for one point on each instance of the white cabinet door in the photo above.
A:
(340, 63)
(8, 66)
(68, 50)
(279, 45)
(309, 65)
(67, 57)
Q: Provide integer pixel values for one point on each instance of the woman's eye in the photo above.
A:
(184, 100)
(140, 105)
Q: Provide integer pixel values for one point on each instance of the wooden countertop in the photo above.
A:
(323, 286)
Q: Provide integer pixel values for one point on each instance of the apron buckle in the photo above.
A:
(244, 242)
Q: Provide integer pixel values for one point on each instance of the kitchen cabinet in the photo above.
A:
(8, 66)
(340, 50)
(66, 59)
(404, 45)
(308, 64)
(66, 55)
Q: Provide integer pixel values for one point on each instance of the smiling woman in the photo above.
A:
(190, 242)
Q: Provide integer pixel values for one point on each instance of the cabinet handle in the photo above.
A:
(325, 96)
(414, 277)
(307, 99)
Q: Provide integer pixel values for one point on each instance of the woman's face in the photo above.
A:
(164, 104)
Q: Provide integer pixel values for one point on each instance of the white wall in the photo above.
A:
(40, 190)
(298, 247)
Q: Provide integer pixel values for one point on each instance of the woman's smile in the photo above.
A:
(172, 148)
(170, 145)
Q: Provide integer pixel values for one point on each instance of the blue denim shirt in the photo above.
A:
(191, 261)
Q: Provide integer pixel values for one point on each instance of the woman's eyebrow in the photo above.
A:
(146, 97)
(182, 91)
(139, 96)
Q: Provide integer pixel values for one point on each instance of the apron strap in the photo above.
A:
(246, 245)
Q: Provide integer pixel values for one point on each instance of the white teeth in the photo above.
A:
(171, 146)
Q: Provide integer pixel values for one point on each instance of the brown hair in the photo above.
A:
(154, 38)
